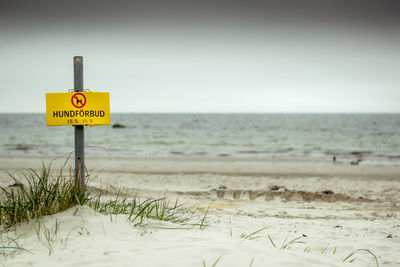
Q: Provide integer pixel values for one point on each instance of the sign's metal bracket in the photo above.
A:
(72, 90)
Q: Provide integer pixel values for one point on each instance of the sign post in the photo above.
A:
(78, 109)
(79, 130)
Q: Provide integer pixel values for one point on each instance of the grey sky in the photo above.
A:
(200, 56)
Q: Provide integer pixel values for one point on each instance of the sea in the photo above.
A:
(372, 138)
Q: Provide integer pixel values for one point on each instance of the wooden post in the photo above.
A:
(79, 130)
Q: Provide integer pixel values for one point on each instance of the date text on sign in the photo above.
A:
(86, 108)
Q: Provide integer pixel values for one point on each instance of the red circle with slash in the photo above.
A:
(78, 102)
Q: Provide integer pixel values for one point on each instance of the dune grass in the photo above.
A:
(37, 195)
(350, 258)
(138, 211)
(253, 234)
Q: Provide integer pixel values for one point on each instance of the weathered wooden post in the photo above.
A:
(79, 129)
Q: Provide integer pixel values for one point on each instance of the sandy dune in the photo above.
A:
(333, 210)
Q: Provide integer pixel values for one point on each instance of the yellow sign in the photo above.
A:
(78, 108)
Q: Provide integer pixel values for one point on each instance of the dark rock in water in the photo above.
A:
(275, 187)
(21, 147)
(360, 153)
(176, 152)
(389, 236)
(117, 125)
(328, 192)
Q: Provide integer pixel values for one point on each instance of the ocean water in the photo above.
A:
(374, 137)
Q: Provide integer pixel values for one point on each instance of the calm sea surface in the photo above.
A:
(374, 137)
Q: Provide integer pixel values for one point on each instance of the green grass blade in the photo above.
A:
(272, 242)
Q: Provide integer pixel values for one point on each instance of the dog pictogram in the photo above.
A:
(78, 100)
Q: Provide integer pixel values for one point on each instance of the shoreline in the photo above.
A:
(273, 167)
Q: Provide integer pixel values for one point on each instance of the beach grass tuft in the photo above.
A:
(351, 255)
(287, 244)
(37, 195)
(349, 258)
(253, 234)
(10, 246)
(202, 224)
(138, 211)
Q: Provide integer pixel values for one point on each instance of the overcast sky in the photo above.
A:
(205, 56)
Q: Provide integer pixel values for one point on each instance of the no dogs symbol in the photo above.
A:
(78, 100)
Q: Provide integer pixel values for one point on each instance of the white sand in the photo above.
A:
(363, 213)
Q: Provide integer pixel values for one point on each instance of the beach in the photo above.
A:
(274, 212)
(200, 133)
